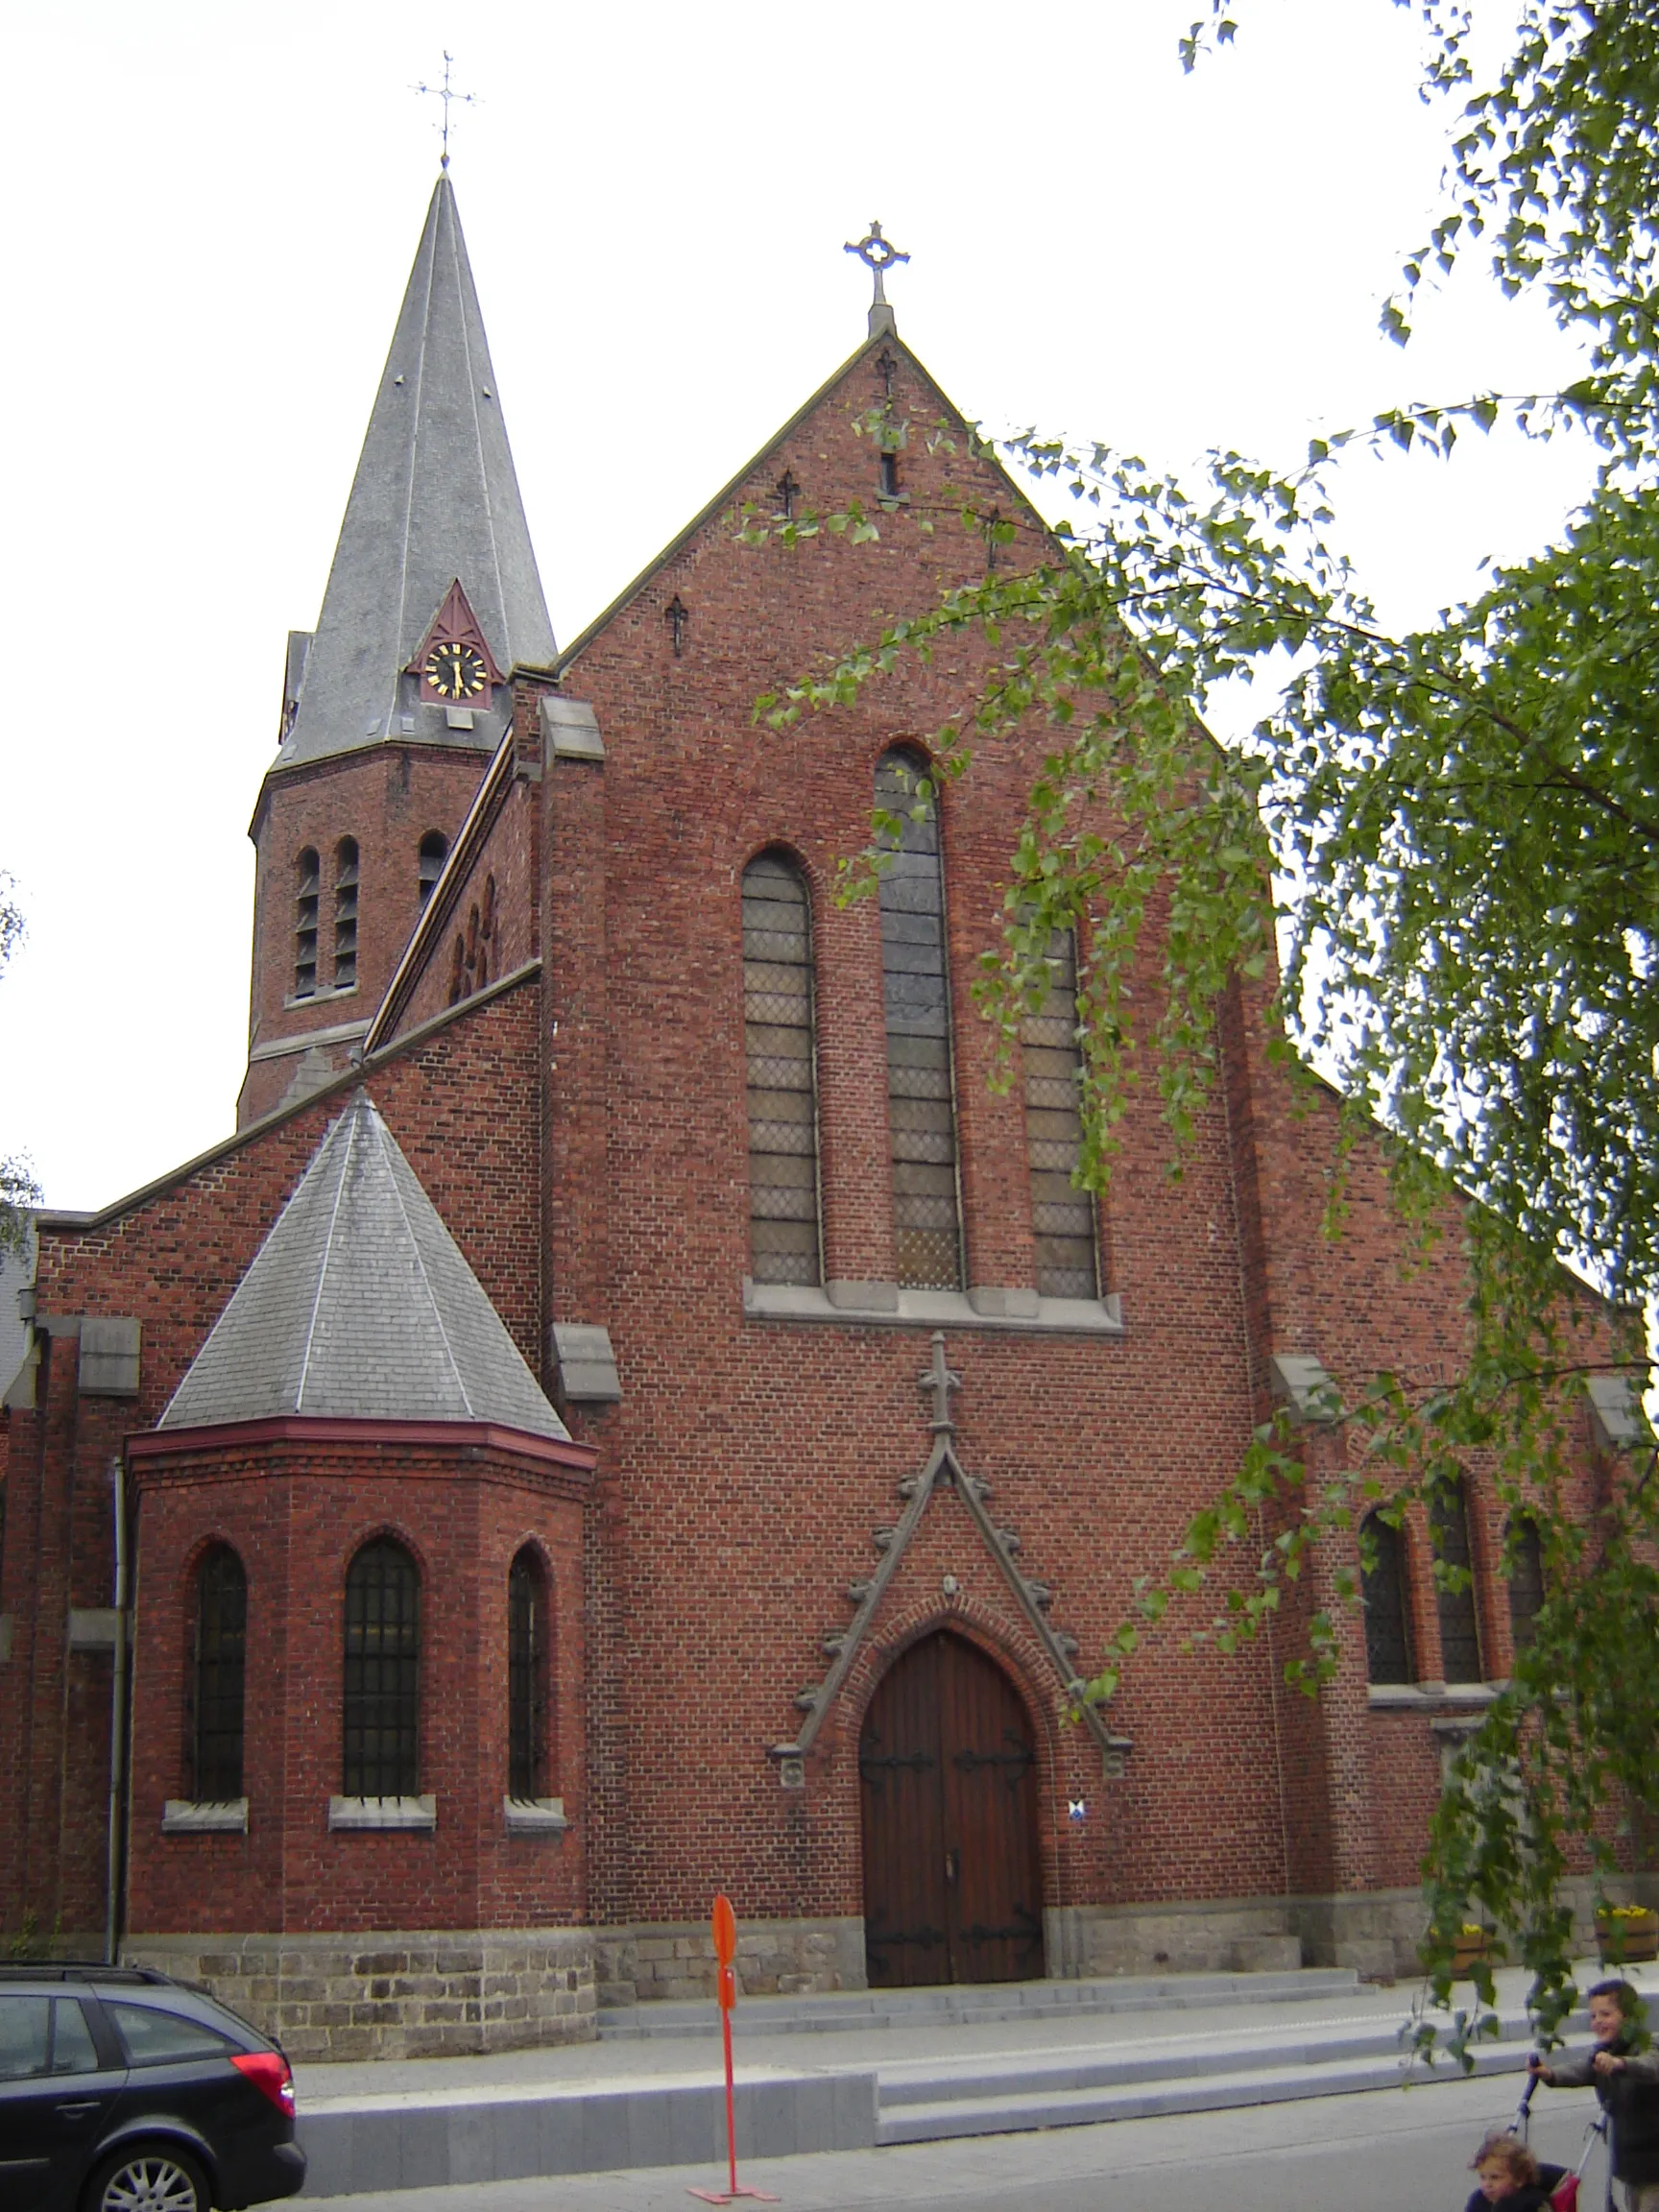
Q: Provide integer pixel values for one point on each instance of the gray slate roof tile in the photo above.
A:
(360, 1306)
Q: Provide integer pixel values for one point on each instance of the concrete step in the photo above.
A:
(1014, 2111)
(431, 2138)
(984, 2002)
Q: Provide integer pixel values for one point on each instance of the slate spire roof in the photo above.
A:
(359, 1306)
(434, 499)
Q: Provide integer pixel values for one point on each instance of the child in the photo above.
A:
(1508, 2177)
(1627, 2084)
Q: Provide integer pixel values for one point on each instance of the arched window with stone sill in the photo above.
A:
(921, 1077)
(527, 1661)
(218, 1678)
(307, 889)
(1383, 1592)
(346, 914)
(382, 1675)
(778, 1043)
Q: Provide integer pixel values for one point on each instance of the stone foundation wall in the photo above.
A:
(400, 1996)
(1083, 1942)
(775, 1958)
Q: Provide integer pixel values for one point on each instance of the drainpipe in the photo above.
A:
(118, 1724)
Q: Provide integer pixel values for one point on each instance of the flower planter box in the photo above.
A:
(1628, 1939)
(1465, 1954)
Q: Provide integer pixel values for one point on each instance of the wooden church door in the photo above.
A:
(948, 1767)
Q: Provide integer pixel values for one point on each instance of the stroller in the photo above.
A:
(1563, 2182)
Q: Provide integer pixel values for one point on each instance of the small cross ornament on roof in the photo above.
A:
(448, 93)
(941, 1382)
(878, 256)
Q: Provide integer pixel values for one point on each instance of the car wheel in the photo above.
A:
(147, 2178)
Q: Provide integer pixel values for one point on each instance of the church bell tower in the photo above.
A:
(394, 705)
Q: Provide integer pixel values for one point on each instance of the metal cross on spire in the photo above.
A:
(878, 256)
(448, 93)
(938, 1378)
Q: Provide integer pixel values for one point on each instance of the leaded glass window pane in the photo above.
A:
(921, 1088)
(778, 1034)
(1459, 1616)
(219, 1676)
(526, 1674)
(1383, 1589)
(1062, 1215)
(1526, 1580)
(382, 1673)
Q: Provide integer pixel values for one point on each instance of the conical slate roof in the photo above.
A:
(359, 1306)
(435, 498)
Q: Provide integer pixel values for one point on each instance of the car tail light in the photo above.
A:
(270, 2072)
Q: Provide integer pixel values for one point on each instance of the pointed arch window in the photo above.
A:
(1383, 1590)
(1459, 1615)
(307, 887)
(382, 1684)
(1525, 1548)
(1062, 1215)
(777, 1035)
(434, 852)
(920, 1086)
(346, 914)
(218, 1678)
(526, 1677)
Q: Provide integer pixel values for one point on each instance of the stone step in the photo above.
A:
(431, 2138)
(982, 2002)
(1015, 2111)
(985, 2078)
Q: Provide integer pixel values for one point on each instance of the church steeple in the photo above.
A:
(435, 501)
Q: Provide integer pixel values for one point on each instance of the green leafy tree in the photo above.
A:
(1454, 836)
(18, 1189)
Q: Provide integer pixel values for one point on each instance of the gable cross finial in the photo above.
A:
(878, 256)
(448, 93)
(938, 1379)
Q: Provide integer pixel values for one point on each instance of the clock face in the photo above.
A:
(455, 671)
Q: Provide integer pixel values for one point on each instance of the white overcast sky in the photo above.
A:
(215, 204)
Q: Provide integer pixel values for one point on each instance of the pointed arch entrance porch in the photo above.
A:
(948, 1777)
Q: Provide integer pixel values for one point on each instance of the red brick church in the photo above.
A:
(631, 1411)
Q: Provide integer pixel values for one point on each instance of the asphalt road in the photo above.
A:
(1390, 2151)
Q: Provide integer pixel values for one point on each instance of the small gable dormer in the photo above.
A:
(454, 662)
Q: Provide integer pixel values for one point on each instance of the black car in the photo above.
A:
(123, 2091)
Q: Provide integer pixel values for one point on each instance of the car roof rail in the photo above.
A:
(81, 1970)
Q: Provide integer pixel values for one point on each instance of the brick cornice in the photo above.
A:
(156, 1446)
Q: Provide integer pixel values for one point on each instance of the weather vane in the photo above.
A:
(447, 93)
(878, 256)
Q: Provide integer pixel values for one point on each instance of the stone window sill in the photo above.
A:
(183, 1817)
(534, 1816)
(419, 1813)
(885, 1306)
(1429, 1697)
(322, 998)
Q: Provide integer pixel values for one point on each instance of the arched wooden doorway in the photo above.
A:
(947, 1769)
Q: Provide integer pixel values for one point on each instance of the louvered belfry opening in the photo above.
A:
(1460, 1618)
(307, 882)
(920, 1092)
(382, 1673)
(434, 852)
(219, 1678)
(1383, 1591)
(1062, 1215)
(526, 1677)
(784, 1242)
(346, 914)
